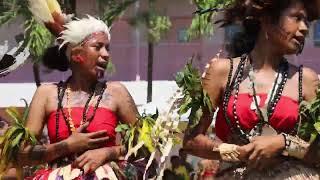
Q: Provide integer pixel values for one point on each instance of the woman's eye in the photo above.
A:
(98, 47)
(107, 47)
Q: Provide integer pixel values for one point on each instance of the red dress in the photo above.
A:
(104, 119)
(283, 119)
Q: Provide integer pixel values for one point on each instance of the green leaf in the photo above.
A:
(122, 127)
(145, 135)
(17, 139)
(15, 115)
(132, 133)
(317, 126)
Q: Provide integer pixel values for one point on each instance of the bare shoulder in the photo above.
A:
(309, 75)
(217, 71)
(310, 83)
(46, 89)
(116, 86)
(218, 65)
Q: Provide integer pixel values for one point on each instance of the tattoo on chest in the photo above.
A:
(79, 99)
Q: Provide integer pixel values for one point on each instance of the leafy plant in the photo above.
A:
(310, 116)
(150, 135)
(36, 37)
(14, 137)
(110, 10)
(195, 98)
(201, 24)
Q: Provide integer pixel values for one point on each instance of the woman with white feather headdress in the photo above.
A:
(81, 113)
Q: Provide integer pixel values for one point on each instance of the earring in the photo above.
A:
(301, 46)
(266, 36)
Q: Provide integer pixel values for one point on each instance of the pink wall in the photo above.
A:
(129, 52)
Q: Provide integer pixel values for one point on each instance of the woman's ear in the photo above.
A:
(77, 55)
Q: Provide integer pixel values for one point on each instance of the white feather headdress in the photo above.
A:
(77, 30)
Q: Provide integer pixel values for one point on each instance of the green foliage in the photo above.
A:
(37, 38)
(112, 9)
(141, 131)
(158, 25)
(195, 98)
(110, 69)
(14, 137)
(201, 24)
(310, 116)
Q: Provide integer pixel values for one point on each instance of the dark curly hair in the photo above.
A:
(246, 13)
(55, 58)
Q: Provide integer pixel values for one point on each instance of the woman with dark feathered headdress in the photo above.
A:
(258, 94)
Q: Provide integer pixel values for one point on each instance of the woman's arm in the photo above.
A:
(35, 123)
(196, 141)
(126, 107)
(310, 86)
(29, 155)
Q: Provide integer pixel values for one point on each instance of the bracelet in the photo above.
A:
(287, 141)
(228, 152)
(295, 147)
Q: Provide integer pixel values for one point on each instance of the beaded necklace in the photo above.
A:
(62, 88)
(272, 97)
(234, 84)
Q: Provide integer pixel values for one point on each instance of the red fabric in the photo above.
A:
(104, 119)
(283, 119)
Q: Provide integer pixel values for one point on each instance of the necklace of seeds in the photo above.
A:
(273, 97)
(61, 91)
(237, 80)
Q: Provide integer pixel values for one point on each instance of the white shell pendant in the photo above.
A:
(253, 104)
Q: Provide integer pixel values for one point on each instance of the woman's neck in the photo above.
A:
(79, 82)
(265, 55)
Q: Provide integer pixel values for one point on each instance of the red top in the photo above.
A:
(104, 119)
(283, 119)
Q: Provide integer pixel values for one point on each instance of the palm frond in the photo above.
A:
(13, 138)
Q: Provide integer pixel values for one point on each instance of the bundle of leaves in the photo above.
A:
(14, 137)
(195, 98)
(152, 135)
(309, 129)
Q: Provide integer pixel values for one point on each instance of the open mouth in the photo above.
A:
(102, 64)
(299, 40)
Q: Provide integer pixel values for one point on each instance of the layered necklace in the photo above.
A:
(265, 113)
(64, 88)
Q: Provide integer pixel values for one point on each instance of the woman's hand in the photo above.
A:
(262, 150)
(79, 141)
(92, 159)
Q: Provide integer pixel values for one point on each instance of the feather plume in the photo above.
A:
(40, 11)
(54, 6)
(48, 12)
